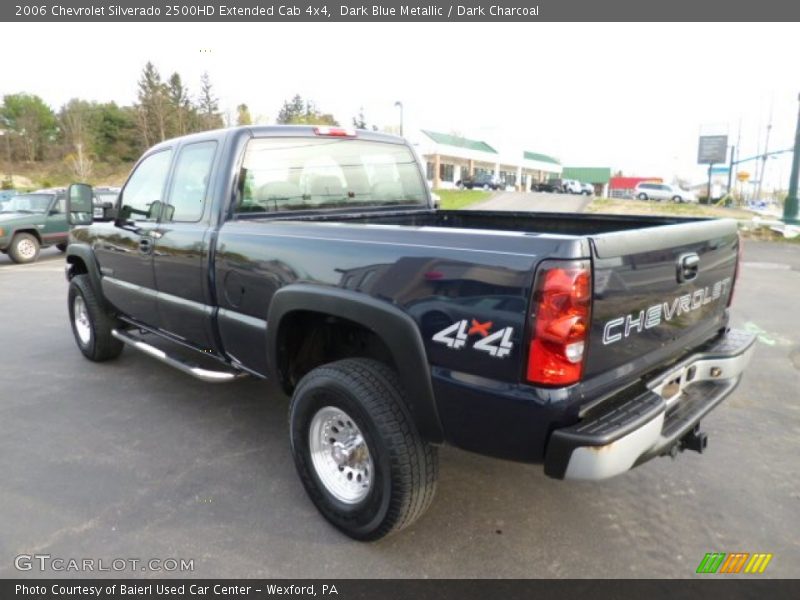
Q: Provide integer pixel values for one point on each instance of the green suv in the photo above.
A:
(29, 222)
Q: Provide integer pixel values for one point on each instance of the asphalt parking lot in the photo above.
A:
(131, 459)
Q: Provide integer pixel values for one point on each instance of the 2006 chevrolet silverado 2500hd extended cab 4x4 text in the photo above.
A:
(314, 257)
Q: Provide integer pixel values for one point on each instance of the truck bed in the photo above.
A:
(523, 222)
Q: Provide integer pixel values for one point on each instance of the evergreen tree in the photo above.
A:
(208, 105)
(152, 109)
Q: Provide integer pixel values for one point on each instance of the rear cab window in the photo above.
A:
(299, 173)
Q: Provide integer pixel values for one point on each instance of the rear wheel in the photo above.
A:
(642, 196)
(677, 199)
(24, 248)
(357, 450)
(91, 324)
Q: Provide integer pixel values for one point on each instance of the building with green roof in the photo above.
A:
(451, 158)
(596, 176)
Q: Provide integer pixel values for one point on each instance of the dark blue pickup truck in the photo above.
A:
(314, 257)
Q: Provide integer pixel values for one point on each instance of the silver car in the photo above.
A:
(663, 191)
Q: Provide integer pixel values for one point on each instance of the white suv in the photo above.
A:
(662, 191)
(571, 186)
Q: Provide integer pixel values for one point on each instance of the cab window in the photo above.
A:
(143, 194)
(190, 182)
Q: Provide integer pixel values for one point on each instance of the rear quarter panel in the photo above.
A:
(438, 277)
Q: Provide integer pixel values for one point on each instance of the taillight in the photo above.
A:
(335, 131)
(561, 309)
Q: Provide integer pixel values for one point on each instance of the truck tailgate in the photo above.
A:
(658, 293)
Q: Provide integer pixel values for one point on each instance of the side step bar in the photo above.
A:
(176, 362)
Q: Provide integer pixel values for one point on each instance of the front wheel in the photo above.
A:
(642, 196)
(357, 450)
(24, 248)
(677, 199)
(91, 324)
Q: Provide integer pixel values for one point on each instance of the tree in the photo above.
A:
(117, 138)
(153, 107)
(32, 120)
(208, 105)
(291, 111)
(180, 104)
(78, 125)
(359, 122)
(299, 112)
(243, 115)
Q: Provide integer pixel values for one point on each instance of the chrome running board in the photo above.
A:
(176, 362)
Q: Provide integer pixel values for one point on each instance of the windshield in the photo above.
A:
(35, 203)
(310, 173)
(105, 197)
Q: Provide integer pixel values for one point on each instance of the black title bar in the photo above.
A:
(387, 589)
(397, 10)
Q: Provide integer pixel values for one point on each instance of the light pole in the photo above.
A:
(790, 207)
(399, 105)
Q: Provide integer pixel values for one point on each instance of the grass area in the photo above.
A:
(616, 206)
(30, 176)
(457, 199)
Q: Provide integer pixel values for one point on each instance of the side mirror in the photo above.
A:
(79, 204)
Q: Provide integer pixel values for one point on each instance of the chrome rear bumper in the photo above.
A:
(631, 428)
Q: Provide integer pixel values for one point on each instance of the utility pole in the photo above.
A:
(730, 169)
(790, 207)
(400, 106)
(734, 155)
(765, 156)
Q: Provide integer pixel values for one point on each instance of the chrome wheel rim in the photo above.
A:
(26, 249)
(81, 319)
(340, 455)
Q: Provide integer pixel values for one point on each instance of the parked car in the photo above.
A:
(572, 186)
(29, 222)
(104, 201)
(588, 343)
(587, 189)
(485, 181)
(663, 191)
(551, 186)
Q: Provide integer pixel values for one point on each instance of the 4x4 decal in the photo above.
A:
(456, 336)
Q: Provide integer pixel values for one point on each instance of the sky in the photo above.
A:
(631, 96)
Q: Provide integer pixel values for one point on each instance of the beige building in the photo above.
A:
(450, 159)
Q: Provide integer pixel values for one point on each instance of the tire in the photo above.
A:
(642, 196)
(62, 247)
(362, 399)
(677, 199)
(91, 324)
(24, 248)
(486, 187)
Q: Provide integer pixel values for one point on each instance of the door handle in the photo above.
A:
(145, 245)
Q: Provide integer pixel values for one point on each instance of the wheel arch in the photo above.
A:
(32, 231)
(394, 328)
(81, 261)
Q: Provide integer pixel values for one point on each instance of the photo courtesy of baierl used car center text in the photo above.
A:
(399, 300)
